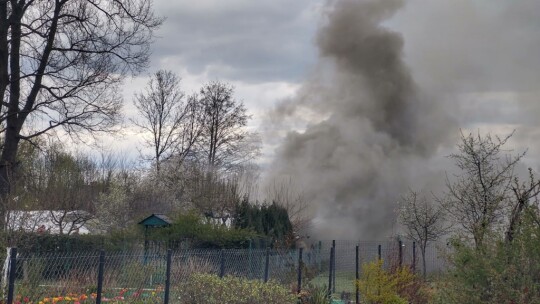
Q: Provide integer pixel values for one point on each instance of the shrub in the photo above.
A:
(40, 243)
(271, 220)
(497, 272)
(398, 286)
(203, 234)
(210, 289)
(312, 294)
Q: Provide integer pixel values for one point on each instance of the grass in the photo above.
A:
(344, 281)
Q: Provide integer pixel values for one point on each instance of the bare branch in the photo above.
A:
(477, 198)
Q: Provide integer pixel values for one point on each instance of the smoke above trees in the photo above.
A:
(376, 129)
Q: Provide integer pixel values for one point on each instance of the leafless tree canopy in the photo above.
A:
(284, 193)
(172, 123)
(477, 198)
(61, 186)
(424, 222)
(225, 143)
(524, 196)
(61, 62)
(213, 193)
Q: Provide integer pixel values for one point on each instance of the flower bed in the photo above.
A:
(123, 296)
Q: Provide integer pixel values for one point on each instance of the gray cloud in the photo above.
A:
(251, 41)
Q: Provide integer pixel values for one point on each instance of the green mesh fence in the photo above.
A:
(139, 277)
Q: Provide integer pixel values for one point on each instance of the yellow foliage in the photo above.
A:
(380, 286)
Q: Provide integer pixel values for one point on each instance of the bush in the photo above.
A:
(313, 294)
(202, 234)
(398, 286)
(497, 272)
(41, 243)
(210, 289)
(271, 220)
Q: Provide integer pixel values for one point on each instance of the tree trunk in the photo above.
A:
(13, 125)
(424, 272)
(7, 170)
(515, 218)
(4, 75)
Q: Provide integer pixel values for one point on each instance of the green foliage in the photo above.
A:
(496, 272)
(135, 271)
(210, 289)
(40, 243)
(314, 294)
(202, 234)
(399, 286)
(270, 220)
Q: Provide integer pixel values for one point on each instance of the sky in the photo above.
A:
(484, 53)
(476, 61)
(263, 48)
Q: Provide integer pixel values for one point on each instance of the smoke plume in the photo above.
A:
(374, 128)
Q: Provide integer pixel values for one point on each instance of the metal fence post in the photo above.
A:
(357, 271)
(300, 253)
(400, 250)
(414, 257)
(100, 276)
(379, 251)
(330, 272)
(319, 256)
(222, 264)
(334, 267)
(12, 274)
(250, 271)
(168, 277)
(266, 265)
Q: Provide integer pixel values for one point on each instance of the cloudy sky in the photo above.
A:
(475, 63)
(482, 54)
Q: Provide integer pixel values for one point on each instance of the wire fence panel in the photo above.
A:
(343, 278)
(46, 276)
(134, 277)
(140, 276)
(282, 265)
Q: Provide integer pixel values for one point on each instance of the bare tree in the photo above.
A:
(61, 62)
(113, 210)
(212, 193)
(423, 221)
(69, 188)
(478, 197)
(225, 142)
(172, 123)
(119, 179)
(523, 195)
(59, 188)
(285, 193)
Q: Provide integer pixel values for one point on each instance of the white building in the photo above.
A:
(50, 221)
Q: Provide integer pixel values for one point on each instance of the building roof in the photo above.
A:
(156, 220)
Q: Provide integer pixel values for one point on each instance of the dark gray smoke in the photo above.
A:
(375, 130)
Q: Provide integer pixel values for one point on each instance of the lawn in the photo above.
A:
(344, 281)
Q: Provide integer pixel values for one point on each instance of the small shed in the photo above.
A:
(156, 220)
(153, 221)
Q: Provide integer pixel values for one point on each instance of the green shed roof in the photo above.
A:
(156, 220)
